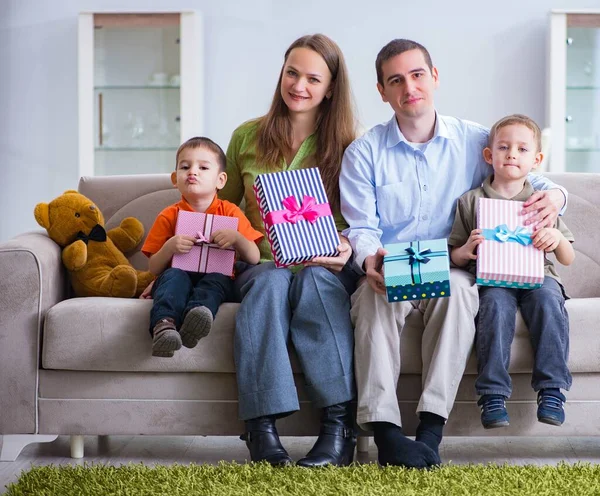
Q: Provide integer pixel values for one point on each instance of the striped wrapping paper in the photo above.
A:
(507, 264)
(293, 243)
(205, 257)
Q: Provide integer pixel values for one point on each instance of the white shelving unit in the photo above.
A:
(574, 90)
(140, 89)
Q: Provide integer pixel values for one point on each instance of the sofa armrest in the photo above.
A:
(32, 280)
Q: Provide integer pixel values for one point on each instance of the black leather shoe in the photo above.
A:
(337, 439)
(263, 442)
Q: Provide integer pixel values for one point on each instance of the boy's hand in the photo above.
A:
(463, 254)
(226, 238)
(470, 247)
(546, 239)
(180, 244)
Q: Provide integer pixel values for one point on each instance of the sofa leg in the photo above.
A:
(13, 444)
(76, 446)
(362, 444)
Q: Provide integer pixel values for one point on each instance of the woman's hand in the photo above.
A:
(335, 264)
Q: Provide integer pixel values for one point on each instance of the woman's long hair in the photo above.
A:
(335, 129)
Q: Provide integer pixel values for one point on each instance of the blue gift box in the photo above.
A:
(297, 217)
(417, 270)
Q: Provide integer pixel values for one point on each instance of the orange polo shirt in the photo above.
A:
(164, 225)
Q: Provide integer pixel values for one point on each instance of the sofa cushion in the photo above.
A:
(111, 334)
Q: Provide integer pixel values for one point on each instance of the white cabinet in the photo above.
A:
(140, 89)
(574, 91)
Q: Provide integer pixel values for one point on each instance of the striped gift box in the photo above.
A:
(205, 257)
(506, 257)
(298, 221)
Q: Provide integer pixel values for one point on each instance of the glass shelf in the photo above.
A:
(136, 148)
(583, 150)
(140, 87)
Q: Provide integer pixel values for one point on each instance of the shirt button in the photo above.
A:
(424, 187)
(424, 217)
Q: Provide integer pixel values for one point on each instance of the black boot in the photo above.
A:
(263, 442)
(337, 438)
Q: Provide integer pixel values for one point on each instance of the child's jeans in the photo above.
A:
(176, 291)
(544, 313)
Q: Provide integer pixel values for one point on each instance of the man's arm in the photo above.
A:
(359, 203)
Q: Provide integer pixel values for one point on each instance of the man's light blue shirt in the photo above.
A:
(393, 192)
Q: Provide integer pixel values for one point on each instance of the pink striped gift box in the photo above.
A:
(205, 257)
(506, 258)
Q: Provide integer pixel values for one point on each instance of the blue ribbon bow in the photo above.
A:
(418, 256)
(415, 259)
(503, 234)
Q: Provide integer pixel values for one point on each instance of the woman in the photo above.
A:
(310, 124)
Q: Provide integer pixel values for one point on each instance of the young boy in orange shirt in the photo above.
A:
(189, 301)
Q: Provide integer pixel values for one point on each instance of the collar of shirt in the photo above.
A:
(523, 195)
(395, 136)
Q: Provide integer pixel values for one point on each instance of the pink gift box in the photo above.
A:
(506, 258)
(205, 257)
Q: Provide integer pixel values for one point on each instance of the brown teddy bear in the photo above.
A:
(93, 256)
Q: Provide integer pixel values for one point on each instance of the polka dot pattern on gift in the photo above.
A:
(507, 284)
(435, 289)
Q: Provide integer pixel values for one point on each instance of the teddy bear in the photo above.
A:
(93, 256)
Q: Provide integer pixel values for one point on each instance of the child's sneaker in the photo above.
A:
(196, 325)
(551, 406)
(493, 411)
(165, 338)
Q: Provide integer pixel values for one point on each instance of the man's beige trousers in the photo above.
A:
(445, 348)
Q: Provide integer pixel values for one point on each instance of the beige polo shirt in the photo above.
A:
(466, 220)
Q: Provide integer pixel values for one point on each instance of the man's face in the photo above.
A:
(408, 84)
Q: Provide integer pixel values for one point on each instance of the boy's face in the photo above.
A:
(198, 175)
(514, 152)
(408, 84)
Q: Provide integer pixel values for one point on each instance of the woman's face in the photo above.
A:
(305, 81)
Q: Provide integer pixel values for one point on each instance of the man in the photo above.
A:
(400, 182)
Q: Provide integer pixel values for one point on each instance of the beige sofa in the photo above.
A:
(83, 366)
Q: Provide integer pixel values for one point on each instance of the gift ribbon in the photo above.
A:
(415, 259)
(292, 212)
(503, 234)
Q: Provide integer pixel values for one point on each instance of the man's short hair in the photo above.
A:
(521, 119)
(396, 47)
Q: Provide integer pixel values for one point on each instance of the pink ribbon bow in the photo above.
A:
(292, 213)
(200, 238)
(295, 212)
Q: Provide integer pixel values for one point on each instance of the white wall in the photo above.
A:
(491, 57)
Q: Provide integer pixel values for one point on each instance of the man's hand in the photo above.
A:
(226, 238)
(463, 254)
(546, 239)
(374, 271)
(335, 264)
(547, 204)
(179, 244)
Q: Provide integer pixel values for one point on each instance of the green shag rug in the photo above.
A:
(261, 479)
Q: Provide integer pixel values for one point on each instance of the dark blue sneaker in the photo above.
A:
(493, 411)
(551, 406)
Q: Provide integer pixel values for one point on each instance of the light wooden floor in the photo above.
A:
(119, 450)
